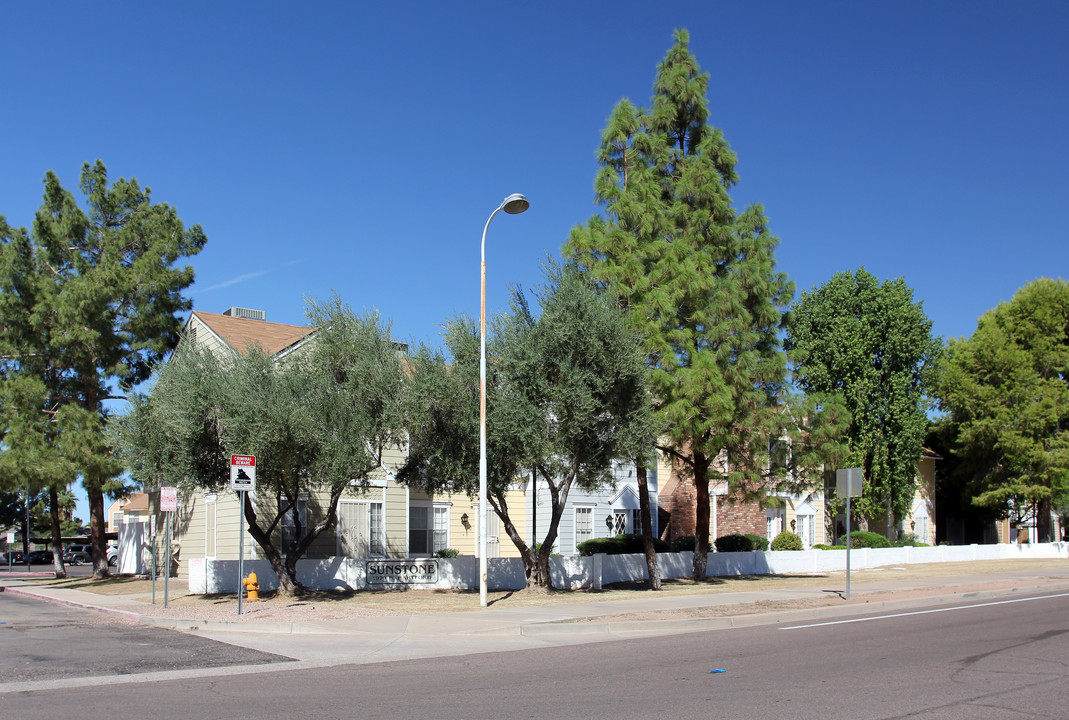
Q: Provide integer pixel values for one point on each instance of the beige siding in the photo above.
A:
(205, 338)
(396, 521)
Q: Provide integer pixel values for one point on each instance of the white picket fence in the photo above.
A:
(578, 573)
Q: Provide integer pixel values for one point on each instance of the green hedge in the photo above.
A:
(733, 543)
(866, 539)
(620, 545)
(687, 543)
(759, 542)
(787, 540)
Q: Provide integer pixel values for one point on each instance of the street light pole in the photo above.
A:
(514, 204)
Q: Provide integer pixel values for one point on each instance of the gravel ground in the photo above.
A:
(316, 606)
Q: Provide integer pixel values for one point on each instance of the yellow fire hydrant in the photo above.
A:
(252, 588)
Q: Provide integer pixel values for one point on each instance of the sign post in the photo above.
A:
(848, 484)
(242, 479)
(168, 504)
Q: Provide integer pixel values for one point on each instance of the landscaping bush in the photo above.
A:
(447, 553)
(787, 540)
(687, 543)
(538, 548)
(733, 543)
(619, 545)
(866, 539)
(822, 546)
(908, 540)
(759, 542)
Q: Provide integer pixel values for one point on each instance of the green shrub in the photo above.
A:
(822, 546)
(687, 543)
(866, 539)
(733, 543)
(759, 542)
(538, 548)
(447, 553)
(619, 545)
(787, 540)
(908, 540)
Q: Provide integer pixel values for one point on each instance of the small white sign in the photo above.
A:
(10, 538)
(848, 482)
(242, 472)
(168, 499)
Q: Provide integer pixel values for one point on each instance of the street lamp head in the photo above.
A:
(515, 204)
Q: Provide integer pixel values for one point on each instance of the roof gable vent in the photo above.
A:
(246, 313)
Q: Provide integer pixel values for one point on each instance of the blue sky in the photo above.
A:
(357, 148)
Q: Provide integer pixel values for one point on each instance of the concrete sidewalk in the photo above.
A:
(588, 619)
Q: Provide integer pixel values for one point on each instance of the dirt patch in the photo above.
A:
(339, 605)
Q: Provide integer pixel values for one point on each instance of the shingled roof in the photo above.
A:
(242, 333)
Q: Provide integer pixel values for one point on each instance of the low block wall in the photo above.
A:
(583, 573)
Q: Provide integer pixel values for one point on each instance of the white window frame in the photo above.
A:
(773, 523)
(437, 515)
(376, 541)
(211, 527)
(587, 510)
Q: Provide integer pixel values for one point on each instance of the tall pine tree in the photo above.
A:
(90, 301)
(697, 277)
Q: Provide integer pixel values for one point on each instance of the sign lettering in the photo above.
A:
(402, 572)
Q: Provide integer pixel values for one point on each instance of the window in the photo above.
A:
(428, 529)
(584, 525)
(209, 526)
(360, 529)
(377, 541)
(636, 522)
(773, 523)
(288, 525)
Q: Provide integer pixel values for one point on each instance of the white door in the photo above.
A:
(493, 534)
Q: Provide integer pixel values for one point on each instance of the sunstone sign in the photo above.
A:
(402, 572)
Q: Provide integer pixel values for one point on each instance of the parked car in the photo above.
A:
(40, 557)
(77, 554)
(16, 557)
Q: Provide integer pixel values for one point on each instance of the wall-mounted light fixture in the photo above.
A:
(608, 521)
(464, 520)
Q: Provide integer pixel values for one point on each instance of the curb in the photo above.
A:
(551, 628)
(723, 622)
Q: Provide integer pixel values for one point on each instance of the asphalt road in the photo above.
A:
(1002, 659)
(41, 641)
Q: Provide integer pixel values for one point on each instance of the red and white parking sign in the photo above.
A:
(242, 472)
(168, 499)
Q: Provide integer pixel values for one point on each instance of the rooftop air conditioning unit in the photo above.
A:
(246, 313)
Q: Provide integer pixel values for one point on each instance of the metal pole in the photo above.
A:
(848, 539)
(241, 546)
(513, 205)
(482, 416)
(167, 562)
(153, 554)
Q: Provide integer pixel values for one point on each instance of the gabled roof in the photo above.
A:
(137, 501)
(242, 333)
